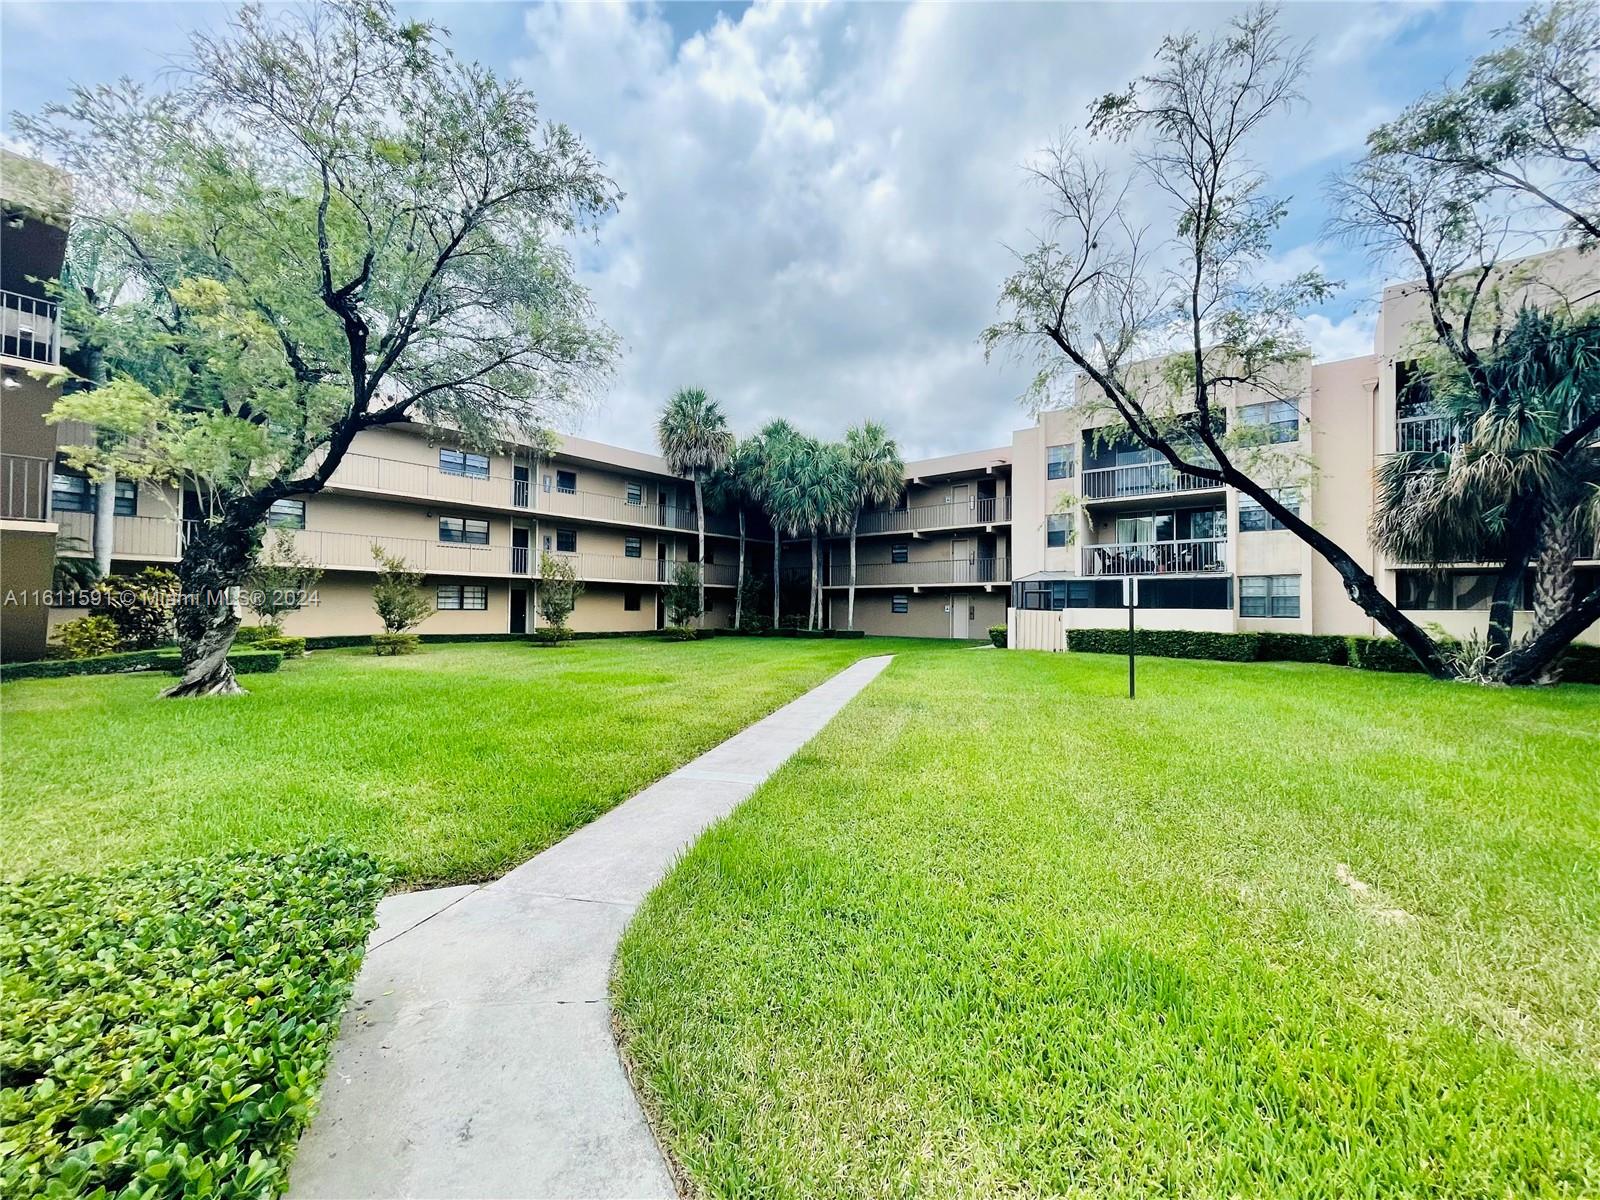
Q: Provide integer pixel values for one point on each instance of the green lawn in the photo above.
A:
(999, 932)
(451, 765)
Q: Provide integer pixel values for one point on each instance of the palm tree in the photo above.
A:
(767, 460)
(695, 441)
(814, 497)
(733, 486)
(877, 475)
(1467, 502)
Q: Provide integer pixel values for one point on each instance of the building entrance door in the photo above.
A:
(519, 610)
(960, 612)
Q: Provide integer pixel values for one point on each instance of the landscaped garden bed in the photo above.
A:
(164, 1030)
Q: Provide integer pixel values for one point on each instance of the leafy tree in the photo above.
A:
(281, 581)
(877, 475)
(141, 606)
(1454, 191)
(397, 594)
(1097, 295)
(340, 226)
(558, 593)
(684, 596)
(696, 441)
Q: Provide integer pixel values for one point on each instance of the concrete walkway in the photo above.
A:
(477, 1059)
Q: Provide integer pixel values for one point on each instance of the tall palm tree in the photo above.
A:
(814, 497)
(732, 487)
(1465, 503)
(877, 475)
(767, 463)
(695, 440)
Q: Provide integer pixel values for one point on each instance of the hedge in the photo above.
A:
(1168, 643)
(289, 647)
(1327, 648)
(243, 662)
(1581, 664)
(101, 664)
(997, 635)
(1380, 654)
(165, 1030)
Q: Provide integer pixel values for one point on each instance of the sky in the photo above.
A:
(822, 201)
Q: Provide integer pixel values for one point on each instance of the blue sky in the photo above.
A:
(819, 198)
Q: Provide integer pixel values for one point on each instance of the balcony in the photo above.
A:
(337, 551)
(150, 539)
(618, 568)
(1140, 479)
(1425, 435)
(1189, 557)
(29, 329)
(24, 487)
(984, 510)
(956, 572)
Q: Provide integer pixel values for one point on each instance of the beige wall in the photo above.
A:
(27, 558)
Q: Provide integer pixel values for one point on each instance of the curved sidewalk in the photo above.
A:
(476, 1059)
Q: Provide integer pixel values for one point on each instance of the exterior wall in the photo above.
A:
(27, 559)
(931, 613)
(1344, 448)
(601, 610)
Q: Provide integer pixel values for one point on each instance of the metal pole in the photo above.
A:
(1130, 651)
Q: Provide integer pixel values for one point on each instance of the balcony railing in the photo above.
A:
(984, 510)
(1156, 558)
(597, 506)
(618, 568)
(154, 538)
(1425, 434)
(1140, 479)
(955, 571)
(24, 487)
(29, 328)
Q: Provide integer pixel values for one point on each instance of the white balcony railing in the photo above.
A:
(1188, 557)
(29, 328)
(24, 487)
(985, 510)
(1425, 434)
(954, 571)
(1140, 479)
(620, 568)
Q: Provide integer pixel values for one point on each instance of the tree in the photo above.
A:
(734, 486)
(281, 581)
(341, 226)
(695, 440)
(397, 594)
(1098, 295)
(766, 452)
(877, 475)
(684, 597)
(1454, 191)
(812, 495)
(558, 593)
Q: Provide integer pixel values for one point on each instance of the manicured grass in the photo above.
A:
(998, 931)
(450, 765)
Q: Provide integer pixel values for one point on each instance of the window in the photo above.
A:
(711, 556)
(1056, 594)
(567, 481)
(1187, 593)
(1463, 591)
(1269, 595)
(71, 491)
(1255, 519)
(1279, 418)
(1062, 461)
(461, 462)
(1056, 529)
(630, 600)
(453, 596)
(635, 493)
(899, 553)
(566, 541)
(466, 530)
(633, 547)
(899, 603)
(1201, 523)
(287, 514)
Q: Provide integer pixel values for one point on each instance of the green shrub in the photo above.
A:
(1304, 647)
(57, 668)
(997, 635)
(755, 623)
(141, 605)
(552, 635)
(680, 633)
(249, 635)
(1167, 643)
(88, 637)
(1380, 654)
(1581, 664)
(395, 643)
(166, 1029)
(243, 662)
(289, 647)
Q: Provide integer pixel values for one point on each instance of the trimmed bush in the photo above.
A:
(680, 633)
(550, 635)
(395, 643)
(250, 635)
(104, 664)
(1327, 648)
(1380, 654)
(289, 647)
(1167, 643)
(166, 1029)
(89, 637)
(243, 662)
(997, 635)
(1581, 664)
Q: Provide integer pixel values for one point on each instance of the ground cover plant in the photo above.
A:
(451, 764)
(1273, 929)
(164, 1029)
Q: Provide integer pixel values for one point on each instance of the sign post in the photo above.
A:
(1130, 598)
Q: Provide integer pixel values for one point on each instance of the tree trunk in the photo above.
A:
(105, 525)
(700, 524)
(777, 561)
(1529, 661)
(214, 562)
(850, 605)
(1555, 580)
(738, 591)
(814, 608)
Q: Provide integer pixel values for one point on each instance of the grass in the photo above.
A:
(1000, 932)
(451, 765)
